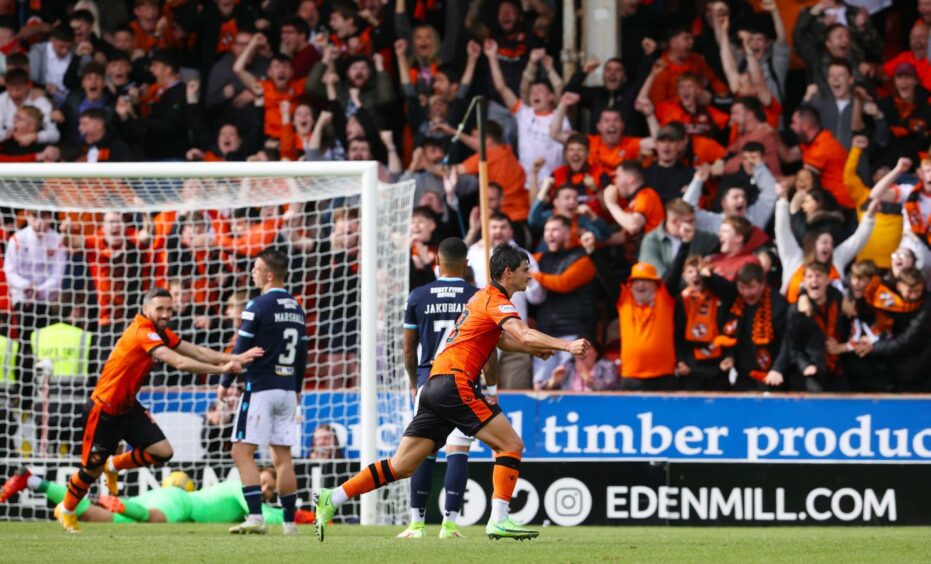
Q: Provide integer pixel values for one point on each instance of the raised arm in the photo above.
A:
(780, 26)
(728, 61)
(762, 209)
(552, 74)
(631, 222)
(530, 73)
(848, 250)
(658, 67)
(565, 101)
(901, 167)
(490, 48)
(239, 67)
(473, 52)
(394, 160)
(790, 253)
(755, 70)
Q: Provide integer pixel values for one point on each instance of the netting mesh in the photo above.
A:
(80, 252)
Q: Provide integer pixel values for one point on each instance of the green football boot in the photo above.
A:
(508, 529)
(323, 500)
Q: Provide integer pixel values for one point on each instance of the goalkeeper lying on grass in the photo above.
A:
(175, 502)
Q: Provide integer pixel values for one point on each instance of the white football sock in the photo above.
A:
(450, 516)
(339, 497)
(499, 510)
(417, 514)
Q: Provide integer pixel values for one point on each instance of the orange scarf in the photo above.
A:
(762, 335)
(827, 322)
(884, 299)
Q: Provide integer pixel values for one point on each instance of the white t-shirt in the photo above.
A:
(534, 141)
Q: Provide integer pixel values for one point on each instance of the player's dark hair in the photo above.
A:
(155, 293)
(425, 212)
(543, 82)
(498, 216)
(16, 77)
(85, 16)
(453, 250)
(505, 256)
(634, 168)
(451, 73)
(750, 272)
(562, 220)
(62, 32)
(577, 139)
(810, 114)
(752, 105)
(753, 147)
(276, 262)
(494, 131)
(299, 25)
(17, 61)
(818, 266)
(911, 276)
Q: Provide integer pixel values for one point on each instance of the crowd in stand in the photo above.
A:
(740, 201)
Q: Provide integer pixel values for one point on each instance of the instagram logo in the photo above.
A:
(567, 502)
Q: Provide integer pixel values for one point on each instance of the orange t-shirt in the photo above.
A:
(476, 334)
(647, 203)
(827, 155)
(609, 158)
(648, 347)
(665, 87)
(706, 150)
(702, 122)
(274, 98)
(255, 240)
(110, 270)
(129, 364)
(504, 170)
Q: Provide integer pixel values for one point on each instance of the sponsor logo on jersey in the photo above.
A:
(248, 315)
(284, 370)
(288, 303)
(155, 337)
(507, 309)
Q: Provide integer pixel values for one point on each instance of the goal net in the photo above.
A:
(84, 242)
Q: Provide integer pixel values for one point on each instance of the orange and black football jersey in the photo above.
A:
(476, 334)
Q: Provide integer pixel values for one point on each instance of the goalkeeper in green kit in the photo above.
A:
(175, 502)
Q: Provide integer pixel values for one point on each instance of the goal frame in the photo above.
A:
(367, 171)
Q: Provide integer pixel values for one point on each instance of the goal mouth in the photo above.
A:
(155, 187)
(196, 228)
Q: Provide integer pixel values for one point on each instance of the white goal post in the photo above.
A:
(315, 189)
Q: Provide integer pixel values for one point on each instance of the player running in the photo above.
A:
(267, 408)
(113, 412)
(431, 314)
(449, 400)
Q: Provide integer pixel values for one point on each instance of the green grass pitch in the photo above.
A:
(100, 543)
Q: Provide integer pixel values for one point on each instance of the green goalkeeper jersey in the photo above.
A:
(175, 503)
(224, 503)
